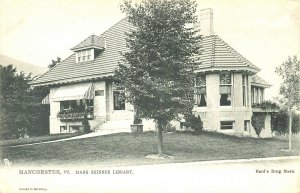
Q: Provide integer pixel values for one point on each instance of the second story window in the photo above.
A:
(200, 90)
(84, 55)
(225, 89)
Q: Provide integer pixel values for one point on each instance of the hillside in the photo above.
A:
(22, 66)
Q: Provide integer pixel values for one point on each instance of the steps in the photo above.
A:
(115, 126)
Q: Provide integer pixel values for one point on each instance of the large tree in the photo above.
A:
(290, 73)
(158, 71)
(21, 108)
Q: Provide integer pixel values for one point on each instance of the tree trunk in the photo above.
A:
(290, 129)
(160, 139)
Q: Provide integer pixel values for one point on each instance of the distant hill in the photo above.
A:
(22, 66)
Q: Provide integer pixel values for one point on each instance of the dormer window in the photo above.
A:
(84, 55)
(86, 50)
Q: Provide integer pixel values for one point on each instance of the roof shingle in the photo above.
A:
(258, 81)
(215, 53)
(91, 41)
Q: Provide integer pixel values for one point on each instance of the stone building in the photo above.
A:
(225, 87)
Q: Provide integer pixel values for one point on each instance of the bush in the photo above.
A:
(280, 122)
(86, 125)
(169, 128)
(195, 123)
(266, 105)
(258, 122)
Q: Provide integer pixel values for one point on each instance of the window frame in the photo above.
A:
(120, 90)
(247, 125)
(226, 129)
(221, 84)
(199, 86)
(245, 92)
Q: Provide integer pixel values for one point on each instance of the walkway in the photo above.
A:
(93, 134)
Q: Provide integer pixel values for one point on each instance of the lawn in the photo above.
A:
(130, 148)
(52, 137)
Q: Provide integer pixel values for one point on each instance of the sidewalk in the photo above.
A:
(88, 135)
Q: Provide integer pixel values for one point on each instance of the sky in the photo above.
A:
(265, 32)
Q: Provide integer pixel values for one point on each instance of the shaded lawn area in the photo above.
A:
(130, 149)
(52, 137)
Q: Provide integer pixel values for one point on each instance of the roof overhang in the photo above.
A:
(260, 85)
(211, 69)
(90, 78)
(88, 47)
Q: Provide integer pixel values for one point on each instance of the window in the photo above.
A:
(225, 89)
(227, 125)
(200, 91)
(79, 104)
(64, 105)
(119, 100)
(63, 128)
(90, 105)
(84, 55)
(245, 90)
(88, 57)
(74, 128)
(247, 125)
(118, 96)
(73, 104)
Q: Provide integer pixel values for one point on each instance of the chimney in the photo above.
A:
(205, 22)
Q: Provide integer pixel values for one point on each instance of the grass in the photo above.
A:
(52, 137)
(130, 148)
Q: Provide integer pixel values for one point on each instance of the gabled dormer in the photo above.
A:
(89, 48)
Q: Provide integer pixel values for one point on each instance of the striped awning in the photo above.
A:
(74, 92)
(46, 100)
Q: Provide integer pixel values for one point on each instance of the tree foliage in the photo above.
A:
(290, 88)
(157, 72)
(21, 109)
(289, 71)
(258, 122)
(54, 63)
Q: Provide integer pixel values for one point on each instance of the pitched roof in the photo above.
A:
(217, 53)
(103, 65)
(258, 81)
(91, 41)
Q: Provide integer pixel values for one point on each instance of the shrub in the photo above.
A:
(86, 125)
(195, 123)
(169, 127)
(258, 122)
(267, 105)
(280, 122)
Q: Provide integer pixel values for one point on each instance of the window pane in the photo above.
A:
(225, 78)
(227, 125)
(201, 80)
(64, 105)
(225, 100)
(202, 101)
(244, 96)
(225, 89)
(200, 90)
